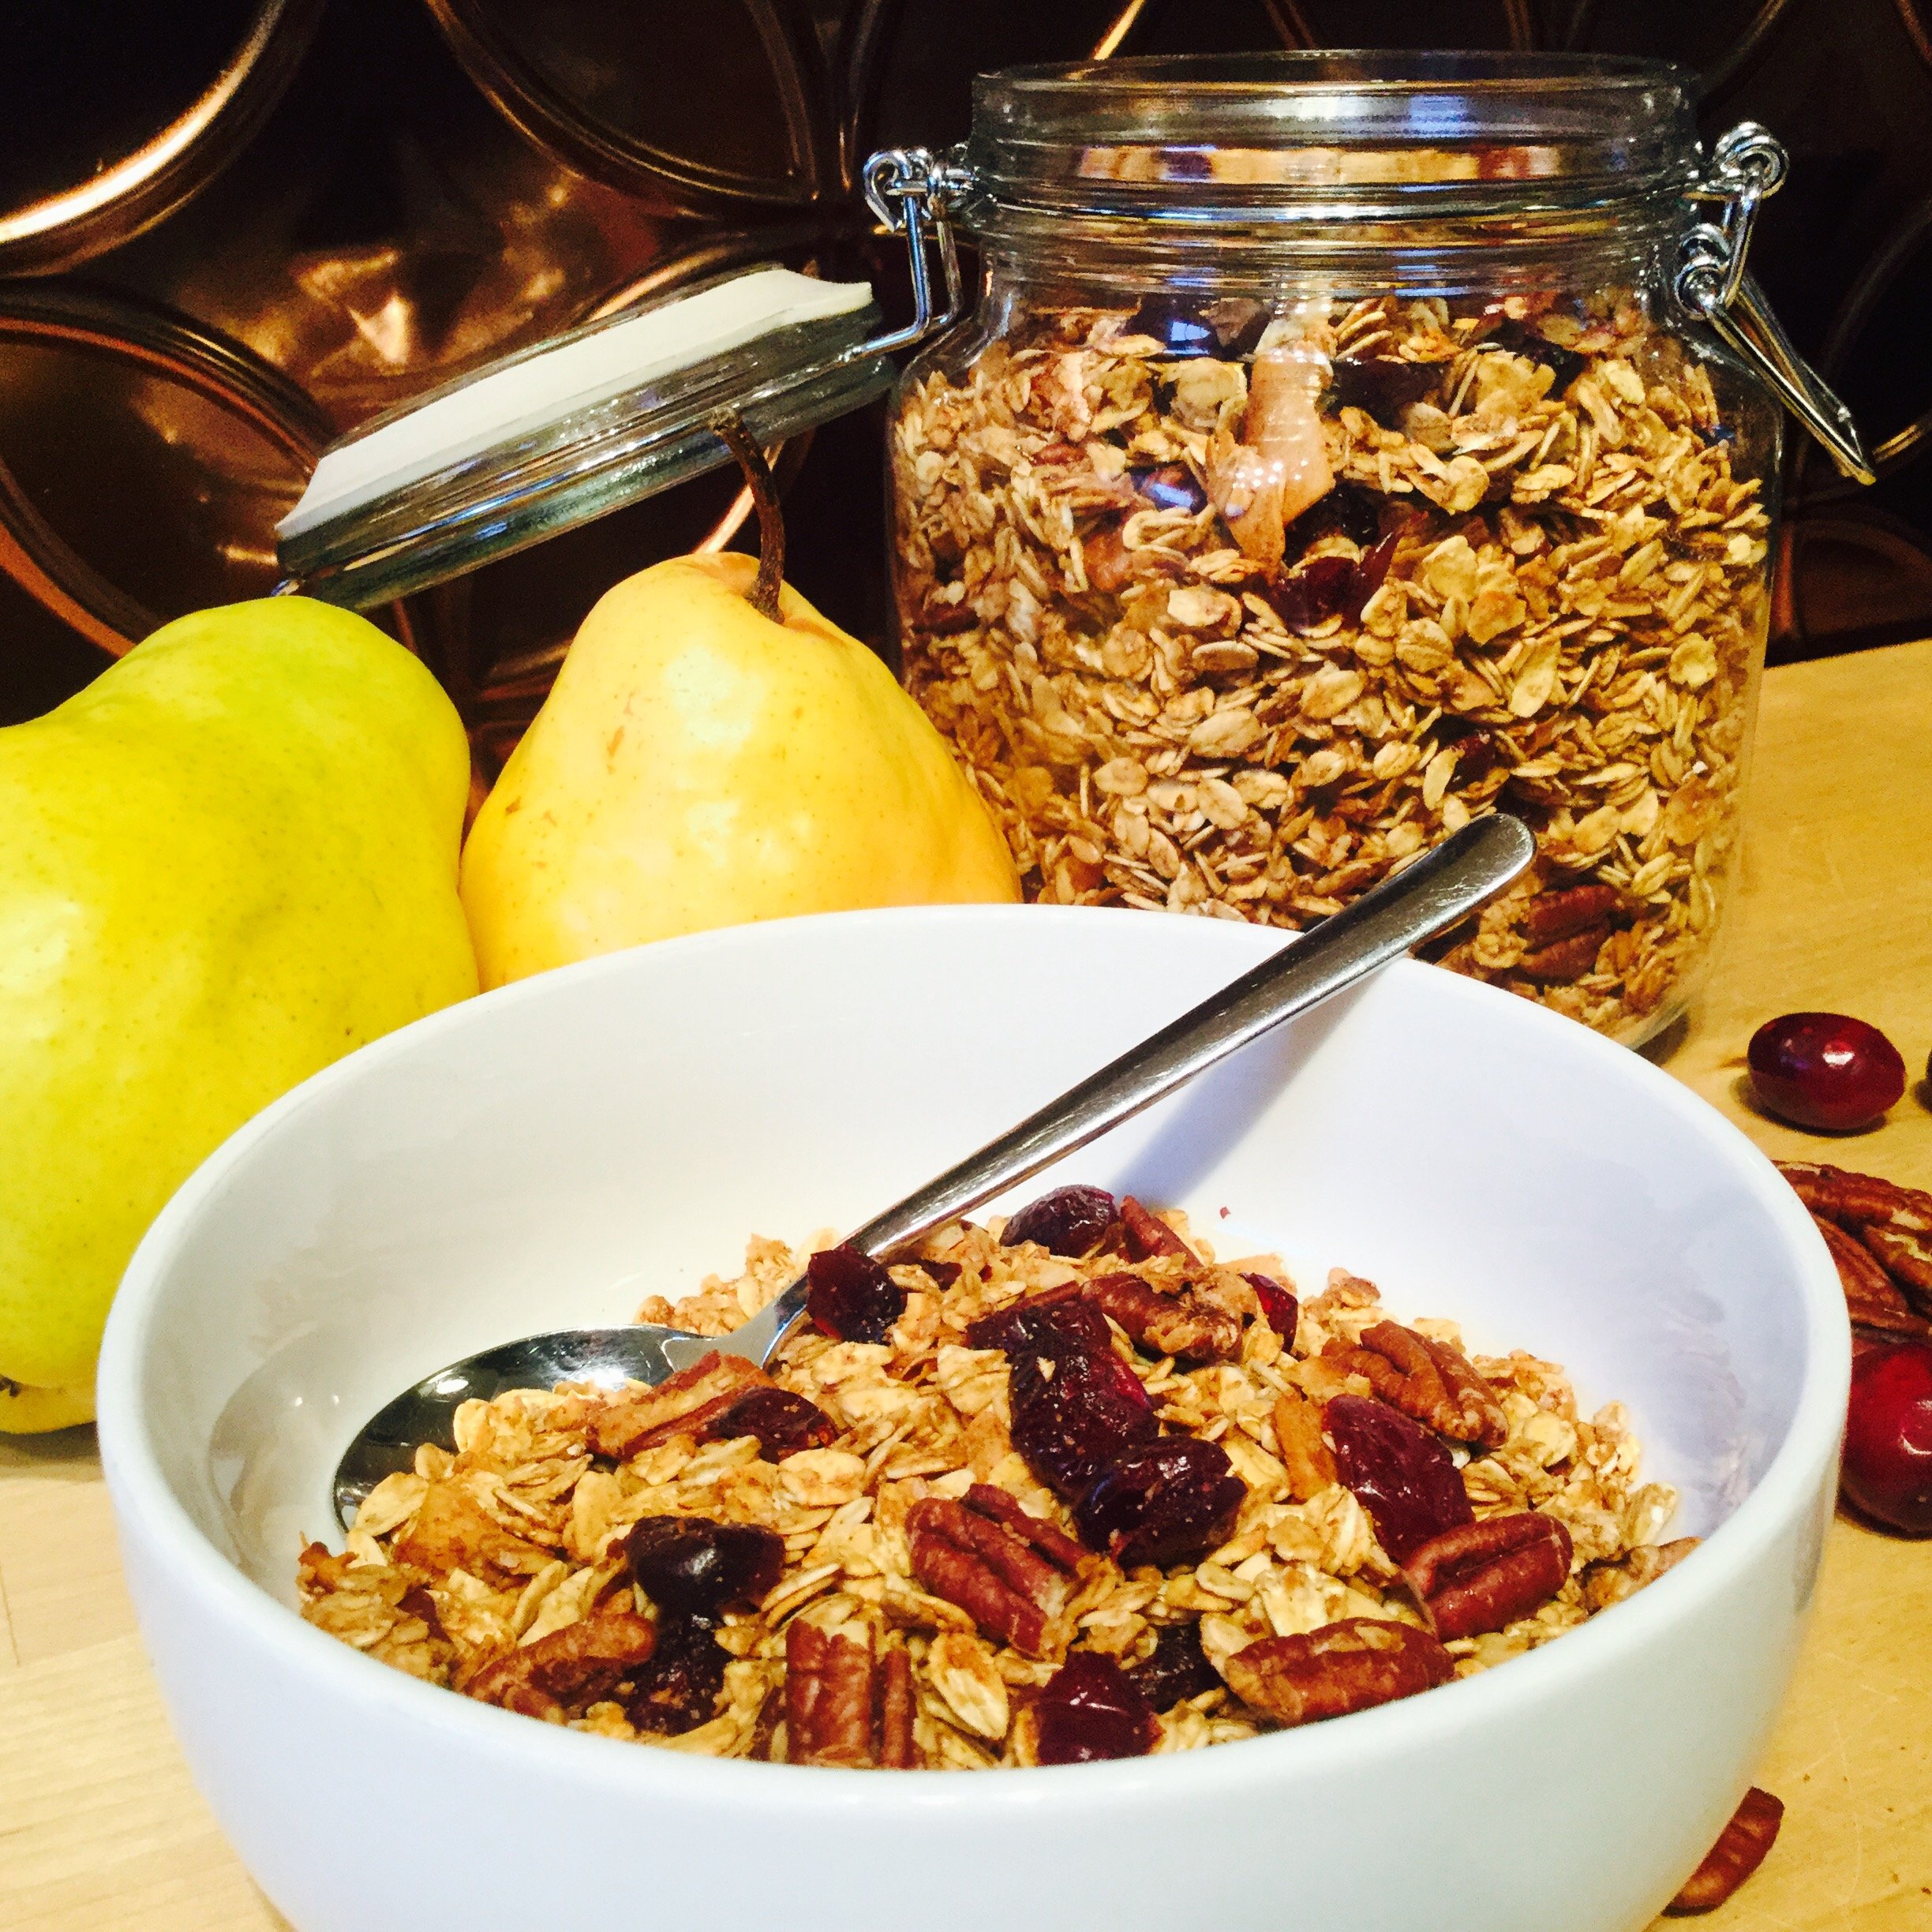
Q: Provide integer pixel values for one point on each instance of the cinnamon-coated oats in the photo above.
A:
(918, 1583)
(1518, 570)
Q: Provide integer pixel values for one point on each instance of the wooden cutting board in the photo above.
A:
(100, 1828)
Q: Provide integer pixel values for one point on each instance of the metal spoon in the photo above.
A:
(1446, 884)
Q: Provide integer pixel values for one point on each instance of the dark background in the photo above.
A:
(388, 226)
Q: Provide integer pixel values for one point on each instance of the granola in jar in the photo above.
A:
(1068, 1486)
(1341, 447)
(1232, 612)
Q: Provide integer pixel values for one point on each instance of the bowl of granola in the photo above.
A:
(1411, 1444)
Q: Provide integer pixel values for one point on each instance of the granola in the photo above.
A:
(914, 1587)
(1239, 633)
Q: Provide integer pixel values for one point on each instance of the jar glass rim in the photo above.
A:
(1297, 134)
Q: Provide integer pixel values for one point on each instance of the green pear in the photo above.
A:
(229, 860)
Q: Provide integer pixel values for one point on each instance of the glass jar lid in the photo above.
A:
(1273, 138)
(596, 418)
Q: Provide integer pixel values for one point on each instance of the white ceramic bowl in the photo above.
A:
(549, 1154)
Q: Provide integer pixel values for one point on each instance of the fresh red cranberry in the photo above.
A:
(1069, 1221)
(1089, 1709)
(1178, 1669)
(1279, 1309)
(677, 1690)
(783, 1423)
(1402, 1474)
(1165, 1503)
(1887, 1471)
(850, 1296)
(693, 1567)
(1825, 1070)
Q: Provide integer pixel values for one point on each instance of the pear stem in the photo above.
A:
(729, 428)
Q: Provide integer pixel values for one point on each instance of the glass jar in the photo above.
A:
(1333, 456)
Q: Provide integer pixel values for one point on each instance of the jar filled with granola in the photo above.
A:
(1344, 446)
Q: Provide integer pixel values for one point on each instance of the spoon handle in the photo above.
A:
(1446, 884)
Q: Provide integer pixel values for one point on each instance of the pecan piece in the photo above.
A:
(1147, 1234)
(1610, 1582)
(1343, 1667)
(452, 1530)
(1005, 1568)
(1873, 1299)
(1565, 960)
(1430, 1381)
(1554, 915)
(896, 1749)
(1739, 1851)
(1483, 1576)
(572, 1668)
(1185, 1324)
(689, 1404)
(1309, 1460)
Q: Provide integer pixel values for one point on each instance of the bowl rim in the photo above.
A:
(149, 1513)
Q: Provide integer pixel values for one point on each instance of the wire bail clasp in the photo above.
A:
(911, 189)
(1748, 165)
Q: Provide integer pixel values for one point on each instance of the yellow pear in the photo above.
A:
(227, 862)
(698, 765)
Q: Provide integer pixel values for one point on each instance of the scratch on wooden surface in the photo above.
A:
(9, 1657)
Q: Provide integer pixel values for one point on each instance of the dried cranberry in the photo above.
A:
(1171, 486)
(1319, 589)
(1372, 570)
(944, 1274)
(693, 1567)
(1279, 1309)
(1348, 508)
(1070, 1424)
(1178, 1669)
(850, 1296)
(1090, 1709)
(1069, 1221)
(678, 1689)
(1382, 385)
(1403, 1476)
(1055, 1325)
(1825, 1070)
(1165, 1502)
(1179, 331)
(783, 1423)
(1566, 364)
(1888, 1448)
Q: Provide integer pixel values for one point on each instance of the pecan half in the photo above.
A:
(1893, 1223)
(563, 1673)
(1309, 1460)
(1739, 1851)
(1185, 1324)
(1146, 1234)
(1565, 960)
(1483, 1576)
(1554, 915)
(1343, 1667)
(829, 1697)
(1430, 1381)
(1607, 1583)
(1873, 1299)
(1009, 1571)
